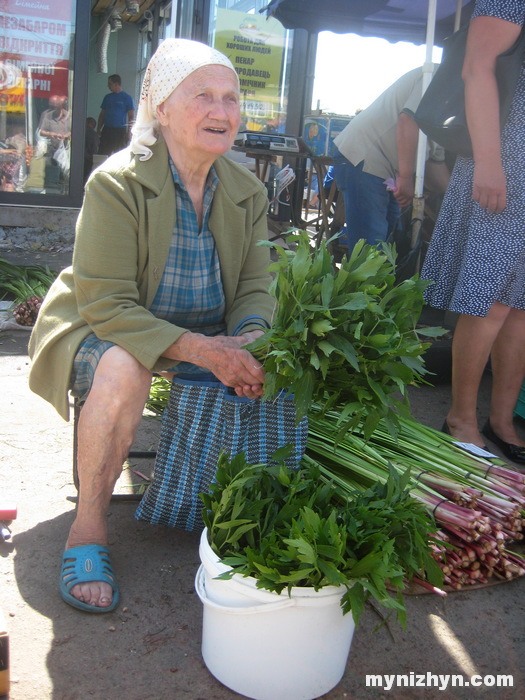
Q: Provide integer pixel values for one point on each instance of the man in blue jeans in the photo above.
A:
(380, 144)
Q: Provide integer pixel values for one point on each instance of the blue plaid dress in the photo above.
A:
(190, 293)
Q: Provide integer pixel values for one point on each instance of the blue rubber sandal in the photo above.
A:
(82, 564)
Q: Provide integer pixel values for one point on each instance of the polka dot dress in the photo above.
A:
(476, 258)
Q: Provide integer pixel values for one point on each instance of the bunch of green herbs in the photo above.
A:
(21, 282)
(287, 527)
(159, 395)
(344, 336)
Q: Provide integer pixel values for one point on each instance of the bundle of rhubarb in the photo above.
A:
(478, 503)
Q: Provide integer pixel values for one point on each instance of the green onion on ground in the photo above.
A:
(20, 282)
(159, 395)
(477, 503)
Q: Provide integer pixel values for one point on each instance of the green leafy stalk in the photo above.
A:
(159, 395)
(20, 282)
(477, 503)
(287, 527)
(343, 336)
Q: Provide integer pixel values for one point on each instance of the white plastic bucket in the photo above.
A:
(268, 646)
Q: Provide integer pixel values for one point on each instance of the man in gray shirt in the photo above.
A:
(378, 145)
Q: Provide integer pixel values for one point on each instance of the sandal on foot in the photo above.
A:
(514, 452)
(445, 429)
(83, 564)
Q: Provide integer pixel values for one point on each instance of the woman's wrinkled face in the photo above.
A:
(202, 114)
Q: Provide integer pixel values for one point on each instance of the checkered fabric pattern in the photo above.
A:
(190, 293)
(202, 420)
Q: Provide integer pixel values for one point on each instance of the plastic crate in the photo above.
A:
(320, 131)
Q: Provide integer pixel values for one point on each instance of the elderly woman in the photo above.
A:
(166, 273)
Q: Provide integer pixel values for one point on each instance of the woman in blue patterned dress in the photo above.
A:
(476, 259)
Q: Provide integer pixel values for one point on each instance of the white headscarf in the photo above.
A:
(171, 63)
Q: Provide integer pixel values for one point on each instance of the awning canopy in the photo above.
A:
(394, 20)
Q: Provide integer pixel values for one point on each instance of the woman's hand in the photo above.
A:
(225, 357)
(489, 187)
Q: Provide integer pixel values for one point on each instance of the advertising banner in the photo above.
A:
(255, 46)
(35, 38)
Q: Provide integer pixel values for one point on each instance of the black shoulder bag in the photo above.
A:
(441, 112)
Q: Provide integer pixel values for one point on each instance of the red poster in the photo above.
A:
(35, 45)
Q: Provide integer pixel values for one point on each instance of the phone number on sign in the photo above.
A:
(254, 108)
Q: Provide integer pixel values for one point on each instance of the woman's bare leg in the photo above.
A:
(473, 339)
(508, 369)
(106, 430)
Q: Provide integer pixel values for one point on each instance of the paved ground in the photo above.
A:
(150, 648)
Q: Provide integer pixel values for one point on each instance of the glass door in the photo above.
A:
(260, 50)
(36, 94)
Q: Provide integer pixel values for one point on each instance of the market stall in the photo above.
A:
(424, 22)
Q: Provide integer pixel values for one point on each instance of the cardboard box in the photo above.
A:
(319, 133)
(4, 656)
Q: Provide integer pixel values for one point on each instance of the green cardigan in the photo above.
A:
(123, 235)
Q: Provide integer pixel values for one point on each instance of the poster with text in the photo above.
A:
(255, 46)
(35, 47)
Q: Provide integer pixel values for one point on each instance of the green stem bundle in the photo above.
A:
(21, 282)
(478, 504)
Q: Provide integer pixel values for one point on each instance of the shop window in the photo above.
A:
(168, 21)
(36, 92)
(260, 50)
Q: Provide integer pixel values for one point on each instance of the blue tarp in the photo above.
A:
(394, 20)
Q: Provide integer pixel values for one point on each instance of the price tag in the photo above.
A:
(475, 450)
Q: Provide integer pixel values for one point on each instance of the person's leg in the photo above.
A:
(104, 146)
(366, 203)
(508, 370)
(328, 178)
(393, 213)
(106, 430)
(344, 173)
(378, 209)
(473, 339)
(88, 167)
(121, 139)
(371, 207)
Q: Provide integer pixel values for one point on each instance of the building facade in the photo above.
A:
(56, 57)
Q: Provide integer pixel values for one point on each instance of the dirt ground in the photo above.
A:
(149, 649)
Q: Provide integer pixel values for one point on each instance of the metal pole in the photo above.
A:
(29, 107)
(418, 205)
(457, 20)
(427, 77)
